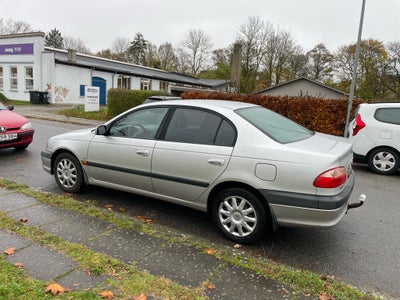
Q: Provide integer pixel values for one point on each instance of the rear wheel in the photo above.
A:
(68, 173)
(385, 161)
(239, 215)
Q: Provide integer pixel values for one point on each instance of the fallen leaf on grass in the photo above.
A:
(19, 265)
(9, 251)
(210, 286)
(55, 289)
(23, 220)
(237, 246)
(210, 251)
(140, 297)
(107, 295)
(122, 209)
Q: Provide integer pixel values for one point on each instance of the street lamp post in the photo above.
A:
(354, 77)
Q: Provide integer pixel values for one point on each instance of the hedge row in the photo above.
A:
(317, 114)
(119, 100)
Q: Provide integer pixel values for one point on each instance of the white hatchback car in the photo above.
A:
(247, 166)
(375, 132)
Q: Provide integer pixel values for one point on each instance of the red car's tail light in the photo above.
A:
(331, 179)
(358, 125)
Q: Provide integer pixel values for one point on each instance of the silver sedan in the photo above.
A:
(250, 168)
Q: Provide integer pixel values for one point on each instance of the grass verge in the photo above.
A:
(131, 281)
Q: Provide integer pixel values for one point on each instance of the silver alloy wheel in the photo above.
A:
(67, 173)
(384, 161)
(237, 216)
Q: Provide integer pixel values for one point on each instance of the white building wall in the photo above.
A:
(14, 57)
(67, 84)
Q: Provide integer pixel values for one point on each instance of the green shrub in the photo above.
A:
(2, 97)
(120, 100)
(317, 114)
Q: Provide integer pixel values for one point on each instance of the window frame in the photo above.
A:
(29, 78)
(13, 79)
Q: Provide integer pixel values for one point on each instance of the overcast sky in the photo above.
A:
(98, 23)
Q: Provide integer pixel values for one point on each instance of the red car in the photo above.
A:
(15, 131)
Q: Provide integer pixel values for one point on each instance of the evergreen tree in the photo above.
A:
(54, 39)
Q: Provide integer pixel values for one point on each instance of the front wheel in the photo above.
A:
(239, 215)
(68, 173)
(384, 161)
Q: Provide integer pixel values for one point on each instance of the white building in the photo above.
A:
(26, 65)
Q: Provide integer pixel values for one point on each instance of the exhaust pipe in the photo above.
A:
(360, 202)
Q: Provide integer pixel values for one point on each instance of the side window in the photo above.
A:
(198, 127)
(388, 115)
(141, 124)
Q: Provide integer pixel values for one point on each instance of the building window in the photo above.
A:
(163, 85)
(28, 78)
(14, 78)
(145, 84)
(1, 79)
(124, 82)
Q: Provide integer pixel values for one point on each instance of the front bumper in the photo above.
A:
(46, 160)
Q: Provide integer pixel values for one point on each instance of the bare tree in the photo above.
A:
(120, 48)
(184, 62)
(393, 70)
(278, 50)
(75, 44)
(253, 35)
(320, 63)
(168, 57)
(198, 46)
(11, 26)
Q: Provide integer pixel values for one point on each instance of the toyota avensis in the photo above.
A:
(249, 167)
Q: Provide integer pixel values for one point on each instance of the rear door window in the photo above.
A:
(388, 115)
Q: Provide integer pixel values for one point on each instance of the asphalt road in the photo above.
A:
(363, 250)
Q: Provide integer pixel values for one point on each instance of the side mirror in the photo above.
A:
(11, 107)
(101, 130)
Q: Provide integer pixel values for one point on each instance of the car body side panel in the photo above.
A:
(122, 161)
(186, 171)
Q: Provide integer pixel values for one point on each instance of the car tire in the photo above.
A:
(384, 161)
(239, 215)
(68, 173)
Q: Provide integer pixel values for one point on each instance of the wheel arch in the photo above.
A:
(380, 147)
(236, 184)
(58, 152)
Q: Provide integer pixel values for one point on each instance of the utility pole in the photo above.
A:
(354, 77)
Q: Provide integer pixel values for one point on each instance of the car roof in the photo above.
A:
(207, 103)
(381, 104)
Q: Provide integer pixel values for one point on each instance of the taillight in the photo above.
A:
(331, 179)
(358, 125)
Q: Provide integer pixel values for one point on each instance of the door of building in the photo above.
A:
(102, 84)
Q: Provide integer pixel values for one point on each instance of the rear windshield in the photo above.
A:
(274, 125)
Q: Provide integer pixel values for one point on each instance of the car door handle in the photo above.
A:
(143, 152)
(216, 161)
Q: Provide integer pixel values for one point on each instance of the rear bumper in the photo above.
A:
(302, 210)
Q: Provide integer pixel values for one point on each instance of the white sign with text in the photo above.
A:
(92, 98)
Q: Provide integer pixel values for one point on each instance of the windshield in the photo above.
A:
(2, 106)
(274, 125)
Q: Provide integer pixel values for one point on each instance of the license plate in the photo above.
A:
(8, 137)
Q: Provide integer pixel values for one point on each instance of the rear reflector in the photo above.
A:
(331, 179)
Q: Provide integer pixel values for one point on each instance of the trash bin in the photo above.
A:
(39, 97)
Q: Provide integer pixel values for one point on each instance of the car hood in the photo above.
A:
(76, 135)
(11, 119)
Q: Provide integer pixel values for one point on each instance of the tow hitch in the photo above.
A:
(360, 202)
